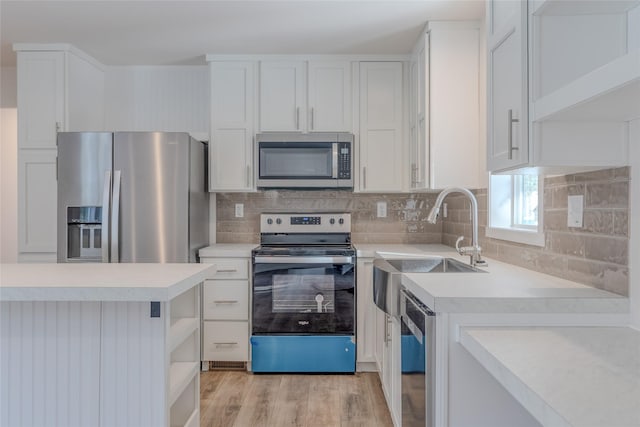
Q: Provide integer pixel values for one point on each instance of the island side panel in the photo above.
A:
(48, 357)
(134, 365)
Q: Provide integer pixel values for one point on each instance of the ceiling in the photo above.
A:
(181, 32)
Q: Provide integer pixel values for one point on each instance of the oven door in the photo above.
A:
(303, 295)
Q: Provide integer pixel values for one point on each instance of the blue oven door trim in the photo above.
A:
(303, 353)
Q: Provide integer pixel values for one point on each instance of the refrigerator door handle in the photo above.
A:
(104, 229)
(115, 217)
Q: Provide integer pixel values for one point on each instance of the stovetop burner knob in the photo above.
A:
(269, 221)
(332, 221)
(341, 221)
(278, 221)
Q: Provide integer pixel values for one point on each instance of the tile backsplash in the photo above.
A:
(596, 254)
(406, 220)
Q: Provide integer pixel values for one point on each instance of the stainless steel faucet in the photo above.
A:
(473, 251)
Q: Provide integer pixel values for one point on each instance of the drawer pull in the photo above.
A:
(225, 301)
(217, 344)
(227, 271)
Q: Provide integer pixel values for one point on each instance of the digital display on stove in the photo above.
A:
(305, 220)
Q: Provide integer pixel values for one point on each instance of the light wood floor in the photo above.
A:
(241, 399)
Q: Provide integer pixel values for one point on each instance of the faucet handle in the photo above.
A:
(458, 248)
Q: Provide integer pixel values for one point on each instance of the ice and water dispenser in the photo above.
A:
(84, 233)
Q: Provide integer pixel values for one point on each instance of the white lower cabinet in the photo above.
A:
(388, 362)
(365, 312)
(225, 311)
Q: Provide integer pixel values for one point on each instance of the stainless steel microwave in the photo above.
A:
(304, 160)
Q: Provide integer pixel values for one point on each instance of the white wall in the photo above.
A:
(8, 166)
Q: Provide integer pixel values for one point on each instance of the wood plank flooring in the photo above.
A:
(241, 399)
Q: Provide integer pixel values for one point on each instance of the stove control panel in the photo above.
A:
(305, 223)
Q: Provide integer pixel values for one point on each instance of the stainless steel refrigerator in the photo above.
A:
(131, 197)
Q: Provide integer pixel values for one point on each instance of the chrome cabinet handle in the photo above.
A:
(511, 121)
(227, 271)
(297, 117)
(224, 343)
(312, 118)
(225, 301)
(105, 216)
(364, 177)
(248, 176)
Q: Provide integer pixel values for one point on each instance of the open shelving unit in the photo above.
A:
(184, 359)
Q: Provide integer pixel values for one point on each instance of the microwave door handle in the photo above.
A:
(334, 158)
(104, 229)
(115, 218)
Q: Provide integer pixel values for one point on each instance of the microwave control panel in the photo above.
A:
(344, 160)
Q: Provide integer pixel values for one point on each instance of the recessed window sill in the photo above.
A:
(534, 238)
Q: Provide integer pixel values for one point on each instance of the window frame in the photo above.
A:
(519, 233)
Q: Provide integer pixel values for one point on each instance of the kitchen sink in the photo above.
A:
(432, 265)
(387, 272)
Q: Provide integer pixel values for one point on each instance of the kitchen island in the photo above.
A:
(100, 344)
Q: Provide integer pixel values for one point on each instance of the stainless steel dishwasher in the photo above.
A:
(417, 362)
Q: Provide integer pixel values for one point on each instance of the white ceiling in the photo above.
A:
(181, 32)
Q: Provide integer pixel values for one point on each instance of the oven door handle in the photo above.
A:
(303, 260)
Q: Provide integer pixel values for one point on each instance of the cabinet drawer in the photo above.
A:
(225, 300)
(225, 341)
(228, 268)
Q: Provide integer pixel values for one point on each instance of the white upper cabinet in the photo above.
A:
(305, 96)
(583, 78)
(507, 85)
(585, 81)
(282, 96)
(41, 98)
(232, 112)
(444, 109)
(329, 106)
(381, 125)
(59, 89)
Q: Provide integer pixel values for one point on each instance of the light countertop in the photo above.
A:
(502, 288)
(565, 376)
(228, 250)
(98, 282)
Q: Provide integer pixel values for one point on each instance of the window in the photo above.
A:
(515, 208)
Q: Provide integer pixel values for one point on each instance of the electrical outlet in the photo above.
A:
(382, 209)
(445, 211)
(239, 210)
(575, 211)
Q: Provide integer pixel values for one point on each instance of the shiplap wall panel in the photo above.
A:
(37, 370)
(157, 98)
(132, 372)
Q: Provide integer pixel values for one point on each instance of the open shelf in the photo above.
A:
(180, 375)
(181, 330)
(582, 7)
(609, 93)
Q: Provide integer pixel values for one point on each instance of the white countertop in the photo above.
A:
(98, 282)
(565, 376)
(228, 250)
(503, 288)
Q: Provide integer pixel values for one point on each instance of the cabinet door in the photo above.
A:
(381, 126)
(366, 311)
(507, 74)
(282, 96)
(418, 111)
(232, 106)
(329, 96)
(40, 98)
(37, 201)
